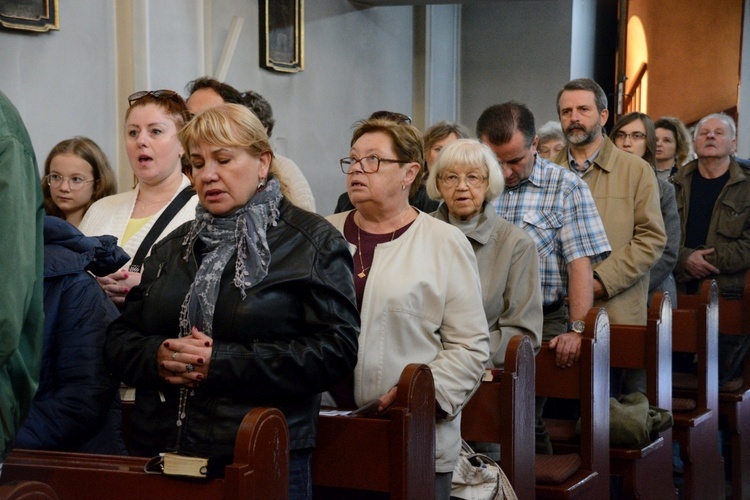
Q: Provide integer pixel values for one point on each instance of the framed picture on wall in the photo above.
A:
(282, 35)
(32, 15)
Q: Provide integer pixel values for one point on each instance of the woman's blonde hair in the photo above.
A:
(87, 150)
(466, 152)
(229, 125)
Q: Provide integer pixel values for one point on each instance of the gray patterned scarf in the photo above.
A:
(242, 234)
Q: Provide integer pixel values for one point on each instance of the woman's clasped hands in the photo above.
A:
(185, 360)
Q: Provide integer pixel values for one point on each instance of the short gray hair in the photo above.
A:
(728, 121)
(467, 152)
(549, 131)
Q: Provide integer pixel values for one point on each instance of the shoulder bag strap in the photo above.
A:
(166, 216)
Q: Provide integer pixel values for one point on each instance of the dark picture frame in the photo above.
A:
(31, 15)
(282, 35)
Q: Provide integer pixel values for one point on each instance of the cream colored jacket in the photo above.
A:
(111, 214)
(423, 304)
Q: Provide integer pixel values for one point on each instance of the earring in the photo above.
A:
(261, 184)
(403, 186)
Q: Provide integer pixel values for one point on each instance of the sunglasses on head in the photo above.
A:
(393, 116)
(158, 94)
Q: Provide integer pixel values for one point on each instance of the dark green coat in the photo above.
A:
(21, 269)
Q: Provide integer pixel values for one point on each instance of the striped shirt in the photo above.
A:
(555, 207)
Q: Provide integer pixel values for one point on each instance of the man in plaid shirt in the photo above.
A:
(556, 209)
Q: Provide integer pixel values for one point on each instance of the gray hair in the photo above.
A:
(467, 152)
(586, 84)
(728, 121)
(549, 131)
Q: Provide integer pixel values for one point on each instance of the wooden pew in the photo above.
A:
(588, 382)
(27, 490)
(696, 330)
(734, 407)
(393, 453)
(260, 469)
(647, 471)
(502, 411)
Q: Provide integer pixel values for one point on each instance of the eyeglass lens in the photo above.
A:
(635, 136)
(452, 180)
(370, 164)
(75, 182)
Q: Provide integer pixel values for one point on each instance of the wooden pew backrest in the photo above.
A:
(260, 469)
(393, 453)
(588, 382)
(502, 412)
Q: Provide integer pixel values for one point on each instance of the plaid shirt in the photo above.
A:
(555, 207)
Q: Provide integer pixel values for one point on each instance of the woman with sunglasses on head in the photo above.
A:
(162, 198)
(417, 285)
(250, 304)
(76, 174)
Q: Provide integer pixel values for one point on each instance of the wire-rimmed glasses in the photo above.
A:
(635, 136)
(471, 180)
(75, 182)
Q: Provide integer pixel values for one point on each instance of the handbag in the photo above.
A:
(478, 477)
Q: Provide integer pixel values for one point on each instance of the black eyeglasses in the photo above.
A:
(370, 164)
(393, 116)
(158, 94)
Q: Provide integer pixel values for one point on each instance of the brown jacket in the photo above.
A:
(728, 232)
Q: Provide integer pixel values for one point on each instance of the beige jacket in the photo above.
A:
(627, 196)
(508, 265)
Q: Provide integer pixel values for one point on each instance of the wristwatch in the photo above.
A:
(576, 326)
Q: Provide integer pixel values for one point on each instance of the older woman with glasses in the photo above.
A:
(250, 304)
(162, 198)
(417, 195)
(417, 284)
(76, 174)
(465, 177)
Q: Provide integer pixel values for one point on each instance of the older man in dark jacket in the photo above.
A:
(713, 199)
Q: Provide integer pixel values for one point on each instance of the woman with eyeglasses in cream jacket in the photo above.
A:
(417, 284)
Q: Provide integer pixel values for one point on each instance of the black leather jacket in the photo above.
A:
(291, 338)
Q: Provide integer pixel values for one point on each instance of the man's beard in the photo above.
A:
(578, 135)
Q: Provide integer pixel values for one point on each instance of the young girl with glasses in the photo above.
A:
(76, 174)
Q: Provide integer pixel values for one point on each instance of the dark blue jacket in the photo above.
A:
(76, 407)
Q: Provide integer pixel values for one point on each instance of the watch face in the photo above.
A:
(578, 326)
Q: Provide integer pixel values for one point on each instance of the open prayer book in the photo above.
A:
(176, 464)
(366, 410)
(491, 374)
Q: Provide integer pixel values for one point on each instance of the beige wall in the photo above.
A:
(693, 55)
